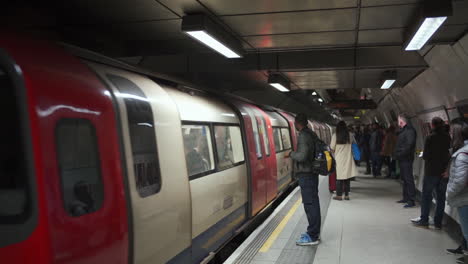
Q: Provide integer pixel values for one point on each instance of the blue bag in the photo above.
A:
(356, 151)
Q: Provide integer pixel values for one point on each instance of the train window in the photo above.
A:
(198, 149)
(264, 132)
(229, 146)
(79, 166)
(277, 139)
(13, 173)
(286, 138)
(256, 137)
(142, 136)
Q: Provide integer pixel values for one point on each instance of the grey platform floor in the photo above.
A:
(371, 228)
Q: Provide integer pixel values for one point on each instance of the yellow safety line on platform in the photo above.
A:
(269, 242)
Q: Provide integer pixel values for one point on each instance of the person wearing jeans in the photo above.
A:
(308, 180)
(404, 153)
(457, 189)
(436, 156)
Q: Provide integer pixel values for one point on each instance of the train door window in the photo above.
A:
(258, 149)
(229, 146)
(142, 136)
(285, 138)
(264, 132)
(14, 204)
(79, 166)
(277, 138)
(198, 149)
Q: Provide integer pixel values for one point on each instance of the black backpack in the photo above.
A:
(324, 162)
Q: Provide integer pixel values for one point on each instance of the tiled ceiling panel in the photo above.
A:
(223, 7)
(389, 36)
(386, 17)
(322, 79)
(289, 41)
(113, 11)
(183, 7)
(294, 22)
(387, 2)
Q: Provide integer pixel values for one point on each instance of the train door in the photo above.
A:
(158, 184)
(83, 182)
(292, 128)
(266, 131)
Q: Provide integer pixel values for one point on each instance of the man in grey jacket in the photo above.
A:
(308, 180)
(457, 188)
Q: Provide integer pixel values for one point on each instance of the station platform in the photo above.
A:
(370, 228)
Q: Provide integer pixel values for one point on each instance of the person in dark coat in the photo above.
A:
(404, 154)
(436, 156)
(375, 146)
(364, 147)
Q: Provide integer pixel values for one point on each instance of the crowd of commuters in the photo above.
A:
(445, 173)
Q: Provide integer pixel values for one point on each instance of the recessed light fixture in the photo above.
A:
(279, 82)
(388, 79)
(205, 30)
(320, 100)
(429, 18)
(314, 93)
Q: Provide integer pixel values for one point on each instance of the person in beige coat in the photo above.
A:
(345, 166)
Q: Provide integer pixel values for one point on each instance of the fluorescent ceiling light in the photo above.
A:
(211, 42)
(387, 84)
(279, 87)
(314, 93)
(425, 32)
(320, 100)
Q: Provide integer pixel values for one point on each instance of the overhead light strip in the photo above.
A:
(279, 87)
(425, 32)
(387, 84)
(211, 42)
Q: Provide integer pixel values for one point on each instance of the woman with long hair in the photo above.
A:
(457, 190)
(345, 166)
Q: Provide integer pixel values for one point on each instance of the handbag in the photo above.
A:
(355, 150)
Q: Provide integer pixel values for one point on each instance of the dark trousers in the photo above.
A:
(406, 172)
(343, 186)
(430, 184)
(390, 164)
(368, 166)
(376, 163)
(309, 190)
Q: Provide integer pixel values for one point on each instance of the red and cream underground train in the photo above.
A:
(106, 164)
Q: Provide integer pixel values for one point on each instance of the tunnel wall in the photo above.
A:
(435, 92)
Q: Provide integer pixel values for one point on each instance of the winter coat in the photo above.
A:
(305, 153)
(364, 146)
(389, 145)
(406, 144)
(376, 141)
(457, 190)
(436, 153)
(345, 166)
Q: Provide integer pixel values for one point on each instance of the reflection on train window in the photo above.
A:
(79, 166)
(229, 146)
(286, 138)
(256, 137)
(198, 149)
(14, 202)
(142, 136)
(263, 131)
(277, 139)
